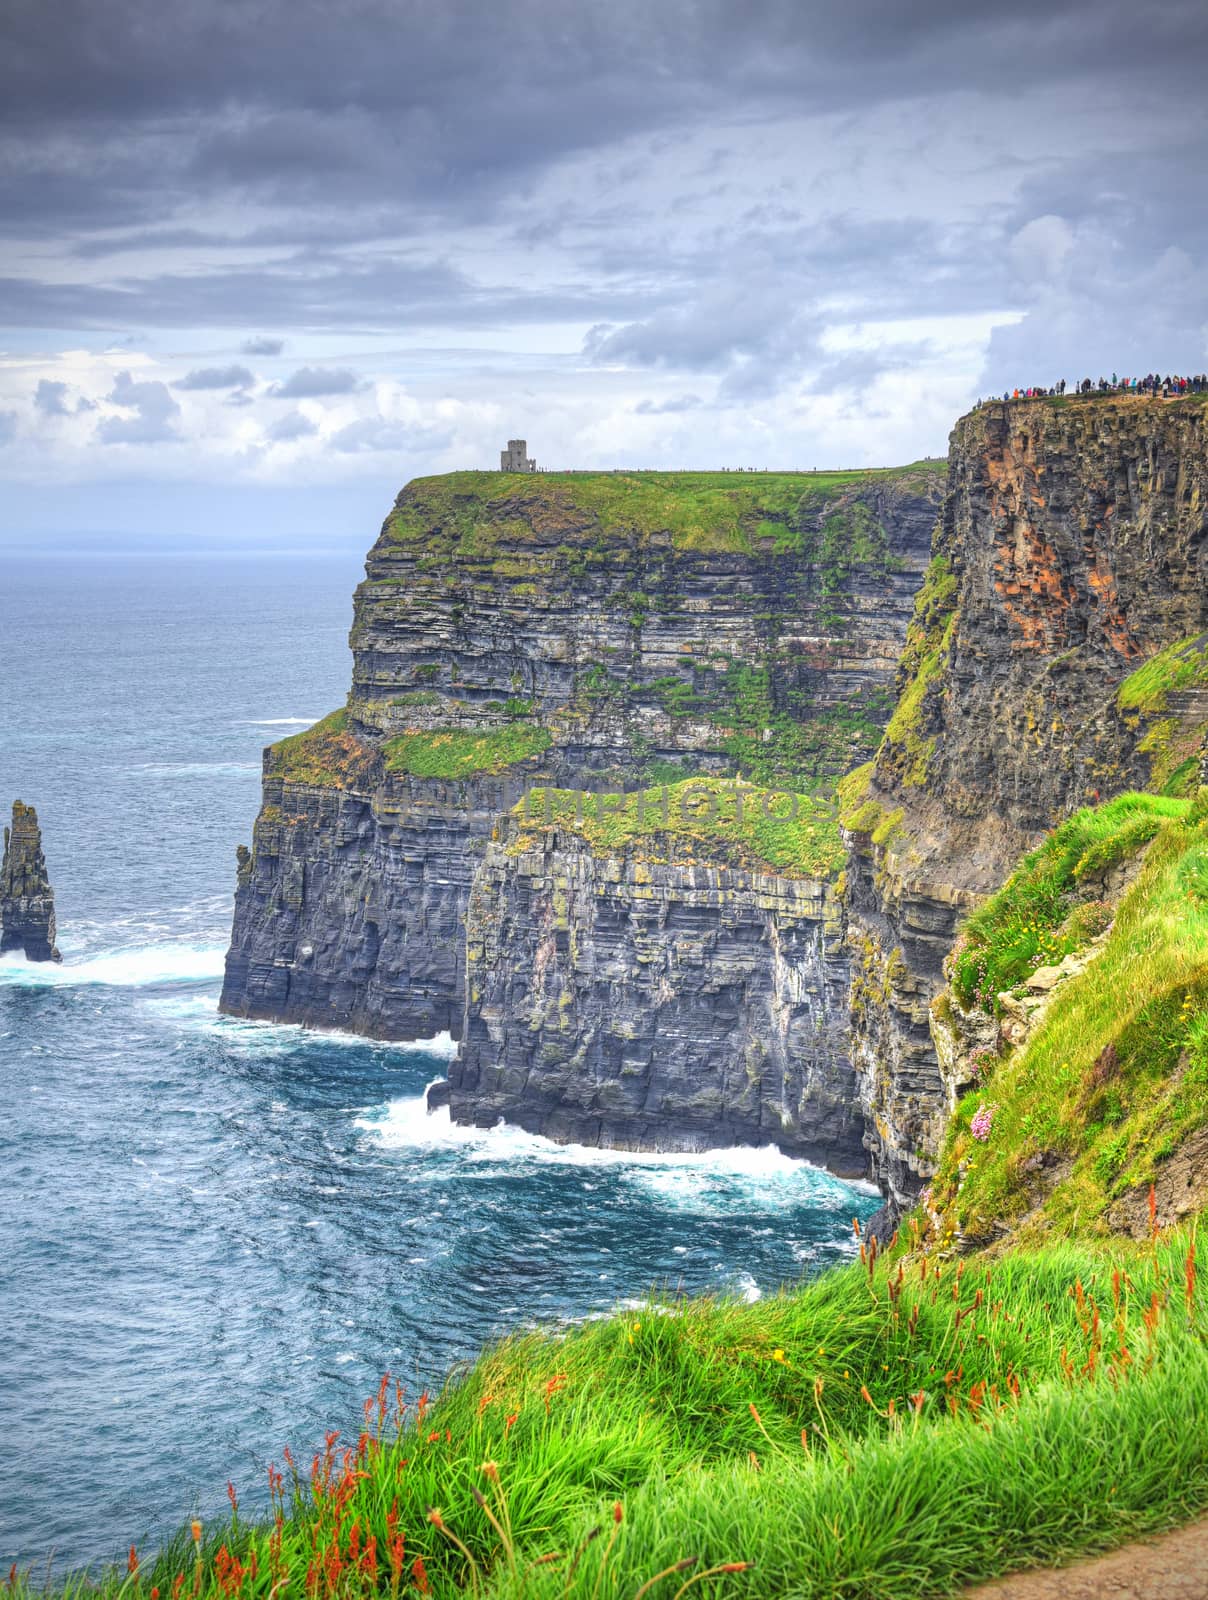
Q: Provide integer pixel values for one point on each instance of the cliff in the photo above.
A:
(586, 628)
(1056, 657)
(27, 902)
(650, 979)
(1072, 1035)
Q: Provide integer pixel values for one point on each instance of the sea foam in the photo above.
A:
(706, 1182)
(151, 964)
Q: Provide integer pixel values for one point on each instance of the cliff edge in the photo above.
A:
(1056, 657)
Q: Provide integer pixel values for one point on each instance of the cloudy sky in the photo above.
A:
(261, 261)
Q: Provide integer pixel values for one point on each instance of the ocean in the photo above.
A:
(217, 1235)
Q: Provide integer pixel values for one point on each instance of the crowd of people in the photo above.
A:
(1168, 387)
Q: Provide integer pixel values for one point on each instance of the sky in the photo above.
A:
(263, 261)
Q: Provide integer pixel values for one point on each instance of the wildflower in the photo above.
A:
(492, 1470)
(196, 1531)
(983, 1118)
(777, 1355)
(132, 1561)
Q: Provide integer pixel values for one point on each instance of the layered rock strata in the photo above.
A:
(27, 902)
(594, 629)
(1056, 657)
(651, 999)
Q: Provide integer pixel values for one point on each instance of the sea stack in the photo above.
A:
(27, 902)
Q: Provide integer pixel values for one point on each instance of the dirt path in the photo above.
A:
(1172, 1566)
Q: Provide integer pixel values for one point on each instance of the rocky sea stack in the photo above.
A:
(27, 902)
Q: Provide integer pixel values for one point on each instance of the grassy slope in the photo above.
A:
(891, 1430)
(1116, 1076)
(760, 828)
(705, 511)
(463, 752)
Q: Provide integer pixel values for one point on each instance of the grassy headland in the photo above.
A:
(713, 512)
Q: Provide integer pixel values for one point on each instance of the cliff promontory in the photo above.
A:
(587, 630)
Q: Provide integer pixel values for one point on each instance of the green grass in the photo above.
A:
(714, 512)
(463, 752)
(894, 1429)
(706, 819)
(1115, 1077)
(1034, 919)
(905, 749)
(1180, 666)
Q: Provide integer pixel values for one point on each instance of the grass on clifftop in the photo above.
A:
(707, 511)
(464, 752)
(714, 818)
(1115, 1077)
(895, 1429)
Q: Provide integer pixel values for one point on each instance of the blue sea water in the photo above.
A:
(215, 1235)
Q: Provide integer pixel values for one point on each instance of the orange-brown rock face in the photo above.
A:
(1071, 548)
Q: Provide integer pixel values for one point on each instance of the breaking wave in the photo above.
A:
(162, 963)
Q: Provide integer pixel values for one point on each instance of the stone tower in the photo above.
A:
(514, 459)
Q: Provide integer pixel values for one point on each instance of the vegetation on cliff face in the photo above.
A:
(1174, 738)
(1180, 666)
(1066, 1130)
(1044, 911)
(707, 821)
(710, 512)
(894, 1428)
(907, 749)
(325, 756)
(464, 752)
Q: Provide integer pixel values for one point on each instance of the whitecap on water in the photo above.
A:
(247, 1033)
(275, 722)
(707, 1182)
(196, 769)
(162, 963)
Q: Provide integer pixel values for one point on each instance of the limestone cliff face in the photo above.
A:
(635, 626)
(27, 902)
(670, 1003)
(1069, 555)
(513, 631)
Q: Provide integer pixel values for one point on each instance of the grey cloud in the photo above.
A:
(291, 426)
(1104, 261)
(155, 413)
(311, 382)
(664, 408)
(50, 398)
(233, 377)
(378, 433)
(262, 347)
